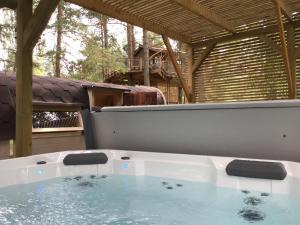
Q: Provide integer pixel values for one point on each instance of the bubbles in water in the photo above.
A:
(265, 194)
(123, 200)
(252, 215)
(67, 179)
(86, 184)
(78, 178)
(253, 201)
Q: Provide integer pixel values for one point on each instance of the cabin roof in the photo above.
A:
(51, 91)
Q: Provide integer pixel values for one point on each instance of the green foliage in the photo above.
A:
(155, 40)
(7, 40)
(89, 51)
(99, 61)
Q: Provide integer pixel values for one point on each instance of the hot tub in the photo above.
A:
(133, 187)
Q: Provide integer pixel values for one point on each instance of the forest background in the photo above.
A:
(77, 44)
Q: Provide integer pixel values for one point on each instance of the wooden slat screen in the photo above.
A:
(297, 37)
(243, 70)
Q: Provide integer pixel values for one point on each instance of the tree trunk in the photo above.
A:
(146, 58)
(105, 31)
(58, 38)
(130, 44)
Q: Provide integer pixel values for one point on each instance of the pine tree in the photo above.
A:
(146, 58)
(130, 45)
(59, 20)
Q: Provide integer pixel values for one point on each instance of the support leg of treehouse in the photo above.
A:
(285, 54)
(177, 69)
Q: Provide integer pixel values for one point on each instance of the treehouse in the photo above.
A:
(161, 71)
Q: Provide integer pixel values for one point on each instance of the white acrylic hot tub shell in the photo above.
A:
(177, 166)
(262, 130)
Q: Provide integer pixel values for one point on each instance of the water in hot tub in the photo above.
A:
(123, 200)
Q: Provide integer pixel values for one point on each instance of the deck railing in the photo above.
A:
(136, 65)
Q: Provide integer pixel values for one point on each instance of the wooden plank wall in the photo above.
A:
(170, 91)
(243, 70)
(57, 141)
(49, 142)
(147, 98)
(4, 149)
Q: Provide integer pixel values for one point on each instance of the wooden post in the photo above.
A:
(285, 54)
(189, 65)
(24, 83)
(168, 91)
(11, 148)
(291, 42)
(176, 67)
(29, 28)
(286, 10)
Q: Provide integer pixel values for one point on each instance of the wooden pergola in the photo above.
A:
(197, 23)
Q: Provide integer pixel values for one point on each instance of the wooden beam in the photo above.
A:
(242, 35)
(206, 13)
(188, 68)
(92, 100)
(176, 67)
(285, 54)
(55, 107)
(24, 83)
(199, 61)
(105, 8)
(284, 8)
(38, 22)
(291, 42)
(57, 129)
(11, 4)
(268, 41)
